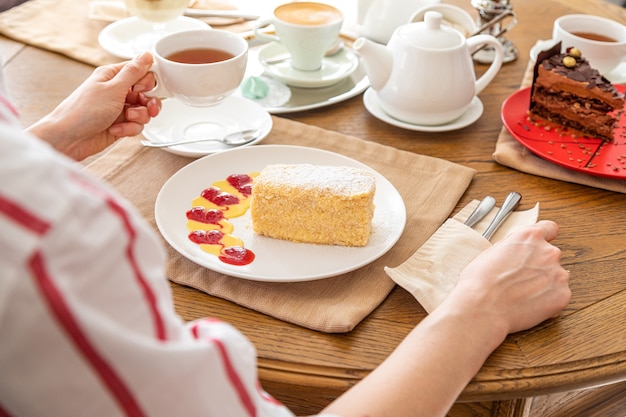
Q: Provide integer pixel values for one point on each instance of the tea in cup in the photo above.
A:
(602, 41)
(199, 67)
(307, 30)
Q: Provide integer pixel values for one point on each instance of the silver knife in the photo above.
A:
(510, 203)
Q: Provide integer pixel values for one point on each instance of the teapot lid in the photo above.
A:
(431, 33)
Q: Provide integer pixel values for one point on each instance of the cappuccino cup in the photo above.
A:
(307, 30)
(199, 67)
(602, 41)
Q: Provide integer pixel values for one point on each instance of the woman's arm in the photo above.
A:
(514, 285)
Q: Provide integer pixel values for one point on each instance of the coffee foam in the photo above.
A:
(310, 14)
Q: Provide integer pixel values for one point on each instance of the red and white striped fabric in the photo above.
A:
(87, 325)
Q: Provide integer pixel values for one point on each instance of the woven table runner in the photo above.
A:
(430, 188)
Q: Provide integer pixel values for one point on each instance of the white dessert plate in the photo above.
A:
(370, 99)
(178, 121)
(283, 98)
(120, 38)
(334, 68)
(617, 76)
(275, 260)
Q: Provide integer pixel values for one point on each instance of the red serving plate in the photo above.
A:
(566, 147)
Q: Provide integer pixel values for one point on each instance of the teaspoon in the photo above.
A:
(481, 210)
(232, 139)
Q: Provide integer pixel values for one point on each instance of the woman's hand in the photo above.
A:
(517, 283)
(512, 286)
(108, 105)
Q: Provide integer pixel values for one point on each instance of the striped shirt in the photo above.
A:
(87, 324)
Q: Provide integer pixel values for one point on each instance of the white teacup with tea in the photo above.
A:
(199, 67)
(602, 41)
(307, 30)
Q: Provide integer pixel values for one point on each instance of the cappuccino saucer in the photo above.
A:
(617, 76)
(121, 38)
(177, 120)
(334, 68)
(473, 113)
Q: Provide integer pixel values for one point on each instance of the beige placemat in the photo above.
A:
(430, 188)
(67, 27)
(511, 153)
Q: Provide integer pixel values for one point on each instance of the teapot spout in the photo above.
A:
(377, 61)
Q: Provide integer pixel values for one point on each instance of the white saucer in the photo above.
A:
(123, 37)
(282, 98)
(278, 93)
(370, 99)
(617, 76)
(334, 68)
(540, 46)
(180, 121)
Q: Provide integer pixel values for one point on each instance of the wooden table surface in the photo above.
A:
(584, 348)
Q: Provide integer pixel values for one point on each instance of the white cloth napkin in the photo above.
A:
(432, 272)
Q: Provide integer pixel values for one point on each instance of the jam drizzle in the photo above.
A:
(219, 197)
(208, 222)
(242, 183)
(202, 215)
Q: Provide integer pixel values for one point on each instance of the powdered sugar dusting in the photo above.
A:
(339, 180)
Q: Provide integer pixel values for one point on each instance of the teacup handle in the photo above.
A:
(159, 89)
(264, 36)
(473, 43)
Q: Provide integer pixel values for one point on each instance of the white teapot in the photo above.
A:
(425, 75)
(377, 19)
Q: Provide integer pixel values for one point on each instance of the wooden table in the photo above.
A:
(565, 367)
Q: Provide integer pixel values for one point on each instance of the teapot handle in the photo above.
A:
(362, 9)
(475, 42)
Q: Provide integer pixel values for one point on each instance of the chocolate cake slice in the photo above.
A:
(568, 91)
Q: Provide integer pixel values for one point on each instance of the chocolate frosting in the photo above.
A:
(582, 72)
(552, 59)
